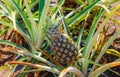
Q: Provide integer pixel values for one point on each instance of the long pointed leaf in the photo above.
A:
(25, 51)
(25, 19)
(42, 21)
(106, 46)
(86, 51)
(33, 24)
(103, 68)
(71, 69)
(5, 8)
(75, 17)
(79, 37)
(64, 23)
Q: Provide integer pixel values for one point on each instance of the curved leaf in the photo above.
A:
(25, 51)
(103, 68)
(71, 69)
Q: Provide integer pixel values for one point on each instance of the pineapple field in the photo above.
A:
(59, 38)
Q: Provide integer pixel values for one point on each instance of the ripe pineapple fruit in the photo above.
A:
(62, 46)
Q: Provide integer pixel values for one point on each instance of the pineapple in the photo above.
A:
(63, 47)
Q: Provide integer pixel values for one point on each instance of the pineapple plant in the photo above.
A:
(31, 26)
(63, 47)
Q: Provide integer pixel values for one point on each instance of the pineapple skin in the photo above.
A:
(64, 49)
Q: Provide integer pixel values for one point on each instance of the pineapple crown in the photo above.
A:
(53, 31)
